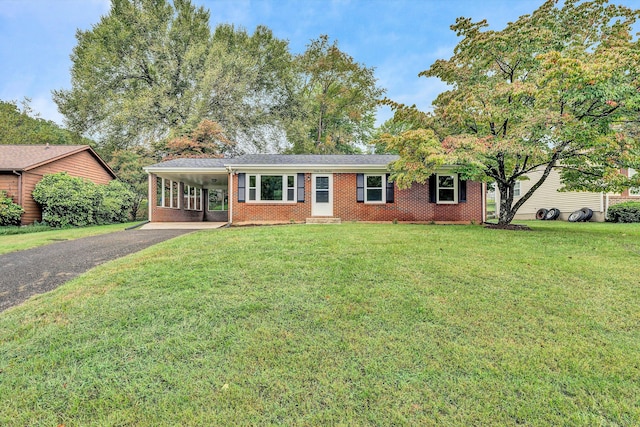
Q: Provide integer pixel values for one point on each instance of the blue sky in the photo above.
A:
(399, 38)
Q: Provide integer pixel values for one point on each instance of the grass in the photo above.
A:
(357, 324)
(34, 236)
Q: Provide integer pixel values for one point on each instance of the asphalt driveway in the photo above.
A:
(35, 271)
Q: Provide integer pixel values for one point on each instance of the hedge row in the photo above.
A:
(68, 200)
(624, 212)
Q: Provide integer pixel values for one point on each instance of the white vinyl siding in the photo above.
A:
(547, 196)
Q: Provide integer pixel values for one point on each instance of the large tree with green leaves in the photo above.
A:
(556, 89)
(133, 73)
(152, 70)
(339, 98)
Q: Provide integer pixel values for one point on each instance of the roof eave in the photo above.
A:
(159, 169)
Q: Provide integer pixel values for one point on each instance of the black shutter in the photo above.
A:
(462, 190)
(432, 189)
(301, 188)
(360, 188)
(241, 187)
(389, 190)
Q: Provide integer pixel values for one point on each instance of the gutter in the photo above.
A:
(484, 202)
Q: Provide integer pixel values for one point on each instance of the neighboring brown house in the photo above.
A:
(23, 166)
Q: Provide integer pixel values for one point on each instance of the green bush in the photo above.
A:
(10, 212)
(117, 200)
(67, 200)
(624, 212)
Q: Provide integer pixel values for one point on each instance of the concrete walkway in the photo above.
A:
(38, 270)
(182, 225)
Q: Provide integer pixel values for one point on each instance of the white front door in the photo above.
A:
(322, 195)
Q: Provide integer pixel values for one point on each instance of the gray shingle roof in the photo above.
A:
(282, 159)
(192, 163)
(313, 159)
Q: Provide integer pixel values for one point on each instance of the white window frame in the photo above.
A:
(193, 198)
(258, 185)
(633, 191)
(455, 189)
(164, 201)
(383, 188)
(517, 189)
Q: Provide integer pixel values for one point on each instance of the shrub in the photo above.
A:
(67, 200)
(10, 212)
(117, 200)
(624, 212)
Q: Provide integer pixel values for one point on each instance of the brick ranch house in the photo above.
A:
(23, 166)
(272, 188)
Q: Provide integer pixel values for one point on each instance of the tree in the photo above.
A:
(133, 75)
(339, 98)
(557, 89)
(205, 141)
(21, 126)
(128, 165)
(248, 87)
(151, 71)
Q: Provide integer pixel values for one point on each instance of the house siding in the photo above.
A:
(81, 164)
(547, 196)
(9, 182)
(410, 205)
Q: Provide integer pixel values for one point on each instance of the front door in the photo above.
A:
(322, 195)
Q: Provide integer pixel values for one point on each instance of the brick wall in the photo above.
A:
(409, 205)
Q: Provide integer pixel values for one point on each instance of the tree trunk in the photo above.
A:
(507, 212)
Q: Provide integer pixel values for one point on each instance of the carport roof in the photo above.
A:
(272, 160)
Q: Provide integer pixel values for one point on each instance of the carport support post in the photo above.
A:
(152, 178)
(230, 196)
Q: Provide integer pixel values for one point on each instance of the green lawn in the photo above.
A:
(21, 241)
(355, 325)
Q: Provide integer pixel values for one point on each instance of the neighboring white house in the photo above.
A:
(547, 196)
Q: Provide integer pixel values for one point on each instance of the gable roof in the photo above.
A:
(276, 160)
(26, 157)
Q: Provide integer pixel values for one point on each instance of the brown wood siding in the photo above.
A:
(9, 184)
(82, 165)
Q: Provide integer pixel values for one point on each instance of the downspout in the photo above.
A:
(606, 206)
(230, 195)
(484, 202)
(19, 187)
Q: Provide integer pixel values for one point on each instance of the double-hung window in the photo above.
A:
(633, 191)
(516, 189)
(271, 188)
(374, 186)
(192, 198)
(447, 188)
(167, 193)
